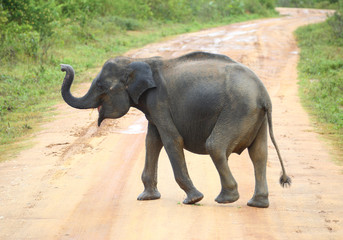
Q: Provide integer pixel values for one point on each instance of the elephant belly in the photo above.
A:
(196, 96)
(195, 134)
(195, 114)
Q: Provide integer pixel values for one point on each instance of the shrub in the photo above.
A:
(26, 25)
(259, 6)
(17, 40)
(136, 9)
(36, 13)
(327, 4)
(336, 23)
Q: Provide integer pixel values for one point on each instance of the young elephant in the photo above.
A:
(205, 103)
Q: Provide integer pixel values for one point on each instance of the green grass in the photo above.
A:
(30, 87)
(321, 78)
(319, 4)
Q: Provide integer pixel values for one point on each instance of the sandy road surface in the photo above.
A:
(81, 182)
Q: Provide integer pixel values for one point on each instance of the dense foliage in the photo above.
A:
(321, 72)
(27, 26)
(323, 4)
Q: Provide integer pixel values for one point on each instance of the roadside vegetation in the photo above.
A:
(320, 4)
(321, 75)
(37, 35)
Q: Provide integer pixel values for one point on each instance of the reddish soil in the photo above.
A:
(79, 181)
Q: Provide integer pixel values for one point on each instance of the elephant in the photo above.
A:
(202, 102)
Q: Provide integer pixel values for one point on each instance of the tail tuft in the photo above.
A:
(285, 181)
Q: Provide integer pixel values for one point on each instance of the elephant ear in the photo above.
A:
(139, 80)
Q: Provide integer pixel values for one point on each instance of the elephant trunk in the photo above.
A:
(89, 100)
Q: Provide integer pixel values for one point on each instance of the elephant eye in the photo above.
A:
(100, 86)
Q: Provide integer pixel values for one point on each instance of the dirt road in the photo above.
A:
(81, 182)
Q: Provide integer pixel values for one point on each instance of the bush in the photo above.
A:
(79, 10)
(259, 6)
(325, 4)
(17, 40)
(25, 27)
(215, 10)
(172, 10)
(336, 23)
(28, 26)
(136, 9)
(186, 10)
(36, 13)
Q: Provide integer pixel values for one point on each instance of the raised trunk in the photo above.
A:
(90, 100)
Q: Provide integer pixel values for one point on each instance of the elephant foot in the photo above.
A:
(149, 195)
(259, 201)
(193, 197)
(227, 196)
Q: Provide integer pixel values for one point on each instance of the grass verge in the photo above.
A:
(321, 80)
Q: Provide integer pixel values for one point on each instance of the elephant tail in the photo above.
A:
(285, 180)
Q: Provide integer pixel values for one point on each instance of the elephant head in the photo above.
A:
(116, 88)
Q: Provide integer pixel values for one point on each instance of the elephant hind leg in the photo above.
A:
(258, 152)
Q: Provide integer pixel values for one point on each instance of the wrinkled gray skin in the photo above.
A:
(202, 102)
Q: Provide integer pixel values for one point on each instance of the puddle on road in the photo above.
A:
(214, 34)
(248, 25)
(134, 129)
(234, 38)
(213, 42)
(137, 127)
(225, 35)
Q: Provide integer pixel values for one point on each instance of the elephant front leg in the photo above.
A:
(149, 175)
(174, 149)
